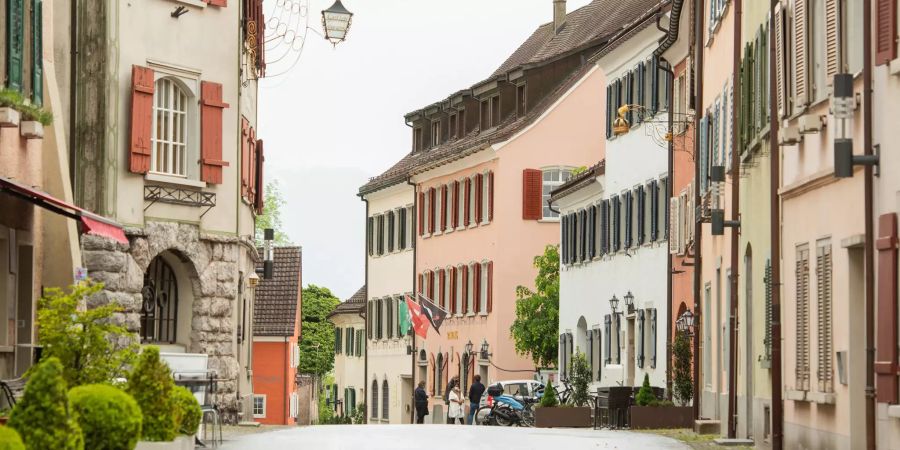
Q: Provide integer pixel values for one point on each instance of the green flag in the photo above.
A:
(403, 314)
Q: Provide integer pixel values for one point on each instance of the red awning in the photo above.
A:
(91, 223)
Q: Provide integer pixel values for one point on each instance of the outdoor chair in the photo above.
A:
(13, 390)
(205, 383)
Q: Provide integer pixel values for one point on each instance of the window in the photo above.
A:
(259, 406)
(483, 284)
(616, 222)
(851, 35)
(472, 199)
(454, 126)
(470, 289)
(461, 131)
(553, 178)
(485, 115)
(520, 100)
(390, 231)
(370, 235)
(389, 317)
(435, 133)
(445, 285)
(450, 208)
(385, 400)
(460, 215)
(427, 209)
(374, 399)
(495, 111)
(159, 317)
(438, 209)
(662, 212)
(816, 17)
(170, 129)
(418, 139)
(458, 298)
(485, 185)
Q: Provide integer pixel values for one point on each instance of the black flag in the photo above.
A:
(433, 312)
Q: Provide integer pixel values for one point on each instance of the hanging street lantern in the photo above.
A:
(614, 303)
(629, 301)
(336, 22)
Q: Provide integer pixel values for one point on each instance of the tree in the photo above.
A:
(271, 215)
(645, 395)
(536, 325)
(88, 342)
(317, 342)
(549, 400)
(581, 377)
(681, 352)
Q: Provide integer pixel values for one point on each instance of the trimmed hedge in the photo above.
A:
(187, 411)
(42, 417)
(151, 385)
(109, 418)
(10, 440)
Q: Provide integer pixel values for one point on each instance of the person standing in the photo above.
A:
(475, 393)
(455, 412)
(454, 382)
(421, 403)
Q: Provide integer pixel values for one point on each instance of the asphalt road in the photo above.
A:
(449, 437)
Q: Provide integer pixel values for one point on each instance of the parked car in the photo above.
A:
(518, 389)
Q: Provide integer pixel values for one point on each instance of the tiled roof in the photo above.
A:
(354, 304)
(592, 24)
(579, 181)
(596, 20)
(275, 310)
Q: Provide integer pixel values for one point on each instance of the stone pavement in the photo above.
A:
(440, 437)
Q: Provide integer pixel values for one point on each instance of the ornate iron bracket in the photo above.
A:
(179, 196)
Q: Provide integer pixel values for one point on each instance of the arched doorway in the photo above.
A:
(167, 302)
(581, 337)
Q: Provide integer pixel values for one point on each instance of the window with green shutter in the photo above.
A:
(15, 44)
(37, 51)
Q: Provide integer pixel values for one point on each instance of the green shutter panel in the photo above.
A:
(654, 86)
(37, 54)
(609, 111)
(654, 211)
(15, 43)
(653, 338)
(704, 155)
(640, 338)
(768, 331)
(606, 325)
(640, 91)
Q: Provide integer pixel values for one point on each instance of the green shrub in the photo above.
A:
(359, 414)
(150, 383)
(29, 111)
(109, 418)
(10, 440)
(187, 411)
(580, 377)
(549, 400)
(42, 417)
(645, 396)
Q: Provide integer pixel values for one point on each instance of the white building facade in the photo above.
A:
(614, 230)
(390, 238)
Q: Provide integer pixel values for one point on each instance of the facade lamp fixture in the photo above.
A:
(629, 302)
(685, 323)
(336, 22)
(485, 354)
(717, 212)
(469, 347)
(843, 104)
(614, 303)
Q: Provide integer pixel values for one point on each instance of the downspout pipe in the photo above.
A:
(412, 336)
(775, 242)
(698, 219)
(869, 226)
(365, 316)
(735, 218)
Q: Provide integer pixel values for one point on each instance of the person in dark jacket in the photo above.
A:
(475, 393)
(421, 403)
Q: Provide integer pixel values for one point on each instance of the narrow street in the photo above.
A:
(440, 437)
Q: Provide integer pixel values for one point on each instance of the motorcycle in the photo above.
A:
(502, 409)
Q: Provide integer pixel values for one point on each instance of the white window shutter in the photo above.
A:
(800, 57)
(674, 243)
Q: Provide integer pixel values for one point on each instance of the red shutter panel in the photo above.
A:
(491, 196)
(444, 207)
(432, 207)
(211, 107)
(465, 290)
(886, 348)
(431, 286)
(442, 280)
(885, 31)
(260, 181)
(141, 118)
(531, 194)
(455, 204)
(453, 291)
(421, 283)
(479, 198)
(222, 3)
(421, 208)
(468, 200)
(490, 287)
(245, 156)
(477, 287)
(251, 186)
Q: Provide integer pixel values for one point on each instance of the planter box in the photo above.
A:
(656, 417)
(9, 118)
(563, 417)
(32, 129)
(180, 443)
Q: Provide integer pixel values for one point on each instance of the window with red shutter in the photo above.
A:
(467, 220)
(479, 198)
(490, 287)
(456, 202)
(245, 156)
(531, 194)
(442, 281)
(251, 186)
(886, 357)
(444, 208)
(476, 287)
(490, 196)
(885, 31)
(421, 283)
(453, 290)
(432, 207)
(211, 106)
(141, 118)
(431, 286)
(421, 209)
(465, 289)
(260, 199)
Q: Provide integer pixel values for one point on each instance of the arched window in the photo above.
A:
(170, 132)
(374, 399)
(385, 400)
(439, 375)
(159, 309)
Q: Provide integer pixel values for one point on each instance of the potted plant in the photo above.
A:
(651, 412)
(170, 418)
(576, 415)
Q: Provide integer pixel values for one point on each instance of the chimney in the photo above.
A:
(559, 15)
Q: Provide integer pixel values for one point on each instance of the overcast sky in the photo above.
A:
(336, 118)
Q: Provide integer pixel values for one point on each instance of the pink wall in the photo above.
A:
(571, 134)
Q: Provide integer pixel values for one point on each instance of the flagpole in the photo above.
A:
(412, 372)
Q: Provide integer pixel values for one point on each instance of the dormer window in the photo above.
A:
(461, 125)
(454, 125)
(418, 139)
(485, 114)
(435, 133)
(495, 111)
(490, 112)
(520, 100)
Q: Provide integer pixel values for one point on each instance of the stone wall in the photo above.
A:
(212, 267)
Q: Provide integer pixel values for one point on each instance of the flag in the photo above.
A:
(435, 314)
(403, 318)
(419, 321)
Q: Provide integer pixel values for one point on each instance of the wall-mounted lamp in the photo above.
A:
(685, 323)
(485, 354)
(843, 103)
(614, 303)
(629, 302)
(717, 212)
(268, 269)
(253, 280)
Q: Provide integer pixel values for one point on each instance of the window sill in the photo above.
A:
(894, 411)
(797, 396)
(470, 314)
(549, 220)
(168, 179)
(822, 398)
(198, 3)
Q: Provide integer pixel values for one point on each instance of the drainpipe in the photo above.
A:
(735, 218)
(869, 225)
(775, 243)
(287, 349)
(73, 95)
(365, 316)
(698, 220)
(415, 247)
